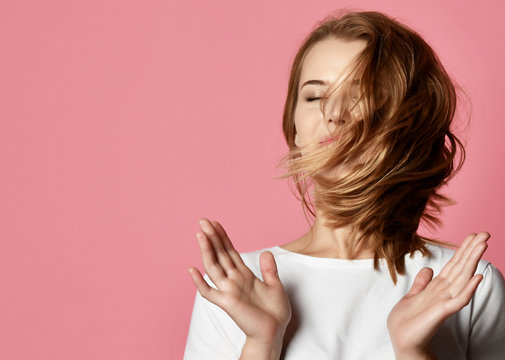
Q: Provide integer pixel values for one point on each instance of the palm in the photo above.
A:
(260, 308)
(417, 316)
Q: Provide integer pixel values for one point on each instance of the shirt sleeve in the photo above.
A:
(212, 335)
(487, 333)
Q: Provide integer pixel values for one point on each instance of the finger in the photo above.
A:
(221, 255)
(203, 288)
(268, 269)
(476, 241)
(210, 263)
(475, 257)
(459, 302)
(234, 255)
(457, 256)
(421, 280)
(461, 281)
(468, 258)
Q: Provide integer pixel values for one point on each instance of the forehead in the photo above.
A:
(328, 59)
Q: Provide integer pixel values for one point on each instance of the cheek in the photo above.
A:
(357, 112)
(306, 123)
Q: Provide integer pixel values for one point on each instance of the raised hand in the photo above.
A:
(416, 317)
(260, 308)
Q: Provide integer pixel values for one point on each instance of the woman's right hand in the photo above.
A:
(260, 308)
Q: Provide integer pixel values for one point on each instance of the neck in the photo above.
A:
(324, 241)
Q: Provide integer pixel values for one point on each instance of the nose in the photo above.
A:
(332, 112)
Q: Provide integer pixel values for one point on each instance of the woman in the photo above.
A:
(367, 120)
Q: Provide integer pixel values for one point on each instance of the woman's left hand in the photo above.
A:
(416, 317)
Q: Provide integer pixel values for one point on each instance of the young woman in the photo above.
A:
(367, 119)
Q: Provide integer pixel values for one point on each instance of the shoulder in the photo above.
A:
(439, 256)
(492, 282)
(252, 258)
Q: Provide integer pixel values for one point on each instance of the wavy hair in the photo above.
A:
(398, 154)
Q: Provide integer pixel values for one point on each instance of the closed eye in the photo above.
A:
(312, 99)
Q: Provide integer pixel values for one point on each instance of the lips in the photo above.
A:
(328, 140)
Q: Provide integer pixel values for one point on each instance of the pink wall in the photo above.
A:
(123, 122)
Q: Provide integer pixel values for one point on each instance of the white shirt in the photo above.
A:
(340, 308)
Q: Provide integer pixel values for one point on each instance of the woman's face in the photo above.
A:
(325, 63)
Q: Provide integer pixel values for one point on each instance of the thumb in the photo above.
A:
(422, 280)
(269, 268)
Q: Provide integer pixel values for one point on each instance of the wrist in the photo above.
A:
(422, 354)
(262, 349)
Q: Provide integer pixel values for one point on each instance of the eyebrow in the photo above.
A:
(315, 82)
(322, 82)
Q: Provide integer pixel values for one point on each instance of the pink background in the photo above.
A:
(123, 122)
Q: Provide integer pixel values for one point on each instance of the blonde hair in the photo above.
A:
(407, 104)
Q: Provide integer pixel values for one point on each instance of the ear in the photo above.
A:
(297, 140)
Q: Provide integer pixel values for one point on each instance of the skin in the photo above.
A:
(261, 307)
(329, 61)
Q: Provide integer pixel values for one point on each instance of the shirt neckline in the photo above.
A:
(322, 261)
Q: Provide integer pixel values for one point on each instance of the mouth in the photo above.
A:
(328, 140)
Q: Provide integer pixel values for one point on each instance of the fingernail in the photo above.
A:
(205, 226)
(199, 238)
